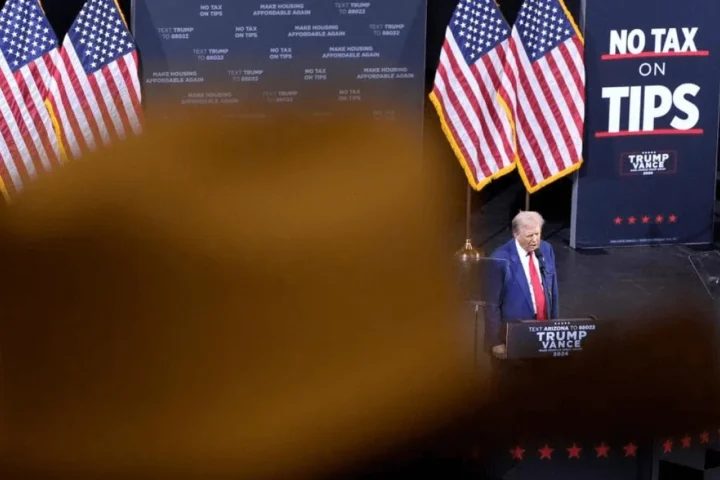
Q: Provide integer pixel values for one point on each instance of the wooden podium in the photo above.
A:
(550, 338)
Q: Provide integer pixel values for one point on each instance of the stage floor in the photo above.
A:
(626, 285)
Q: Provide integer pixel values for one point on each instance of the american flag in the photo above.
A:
(96, 93)
(465, 93)
(29, 143)
(544, 87)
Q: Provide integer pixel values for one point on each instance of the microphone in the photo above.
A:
(541, 260)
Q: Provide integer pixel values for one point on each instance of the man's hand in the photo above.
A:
(499, 351)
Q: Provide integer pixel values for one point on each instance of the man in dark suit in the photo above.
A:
(528, 286)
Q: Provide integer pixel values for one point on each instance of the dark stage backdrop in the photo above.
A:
(62, 13)
(651, 124)
(254, 59)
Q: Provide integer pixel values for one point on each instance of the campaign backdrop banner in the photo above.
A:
(653, 71)
(253, 58)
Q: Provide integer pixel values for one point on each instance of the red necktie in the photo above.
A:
(537, 289)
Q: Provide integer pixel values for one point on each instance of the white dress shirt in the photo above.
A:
(525, 260)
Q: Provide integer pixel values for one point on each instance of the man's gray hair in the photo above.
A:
(527, 219)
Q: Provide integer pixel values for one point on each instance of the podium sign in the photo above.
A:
(554, 338)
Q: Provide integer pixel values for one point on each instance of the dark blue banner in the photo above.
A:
(651, 125)
(254, 58)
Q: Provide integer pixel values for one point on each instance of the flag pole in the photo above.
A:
(468, 253)
(527, 201)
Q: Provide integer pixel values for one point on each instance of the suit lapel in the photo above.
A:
(519, 274)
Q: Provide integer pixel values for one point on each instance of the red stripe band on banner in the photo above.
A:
(625, 56)
(667, 131)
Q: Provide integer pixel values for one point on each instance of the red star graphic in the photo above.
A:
(574, 451)
(632, 220)
(546, 452)
(705, 437)
(667, 446)
(602, 450)
(686, 441)
(672, 218)
(517, 453)
(646, 219)
(659, 219)
(618, 220)
(630, 449)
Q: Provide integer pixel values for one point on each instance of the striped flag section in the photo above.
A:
(544, 91)
(29, 143)
(96, 93)
(465, 92)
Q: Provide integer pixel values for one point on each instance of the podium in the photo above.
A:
(478, 286)
(528, 339)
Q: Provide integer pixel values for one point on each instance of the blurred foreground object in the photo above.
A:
(211, 298)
